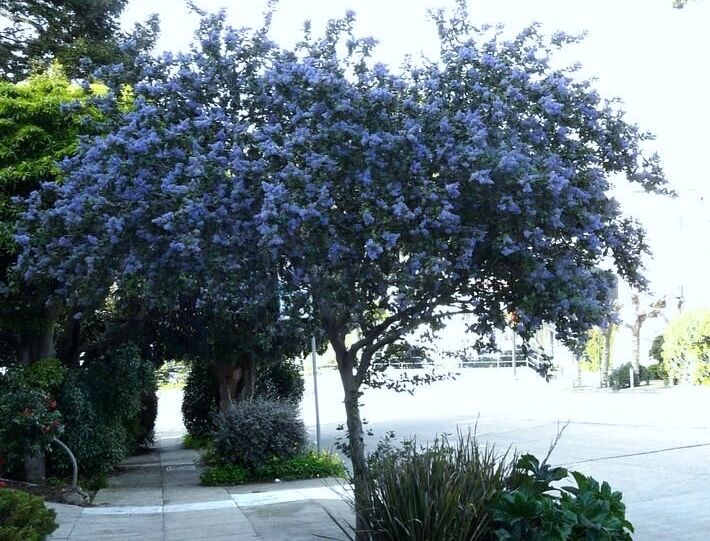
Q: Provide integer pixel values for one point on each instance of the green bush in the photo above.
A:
(224, 475)
(251, 433)
(46, 375)
(532, 508)
(310, 465)
(98, 443)
(200, 400)
(24, 517)
(438, 492)
(103, 421)
(280, 381)
(619, 377)
(30, 419)
(657, 371)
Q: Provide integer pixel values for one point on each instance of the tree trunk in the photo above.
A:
(39, 342)
(357, 445)
(247, 384)
(606, 358)
(636, 356)
(228, 377)
(235, 382)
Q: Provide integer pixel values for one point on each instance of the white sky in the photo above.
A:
(652, 56)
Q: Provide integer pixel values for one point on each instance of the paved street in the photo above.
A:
(653, 444)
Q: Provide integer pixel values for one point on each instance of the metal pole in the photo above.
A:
(514, 369)
(315, 389)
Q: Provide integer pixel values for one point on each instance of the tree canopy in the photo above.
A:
(355, 198)
(686, 347)
(68, 31)
(41, 119)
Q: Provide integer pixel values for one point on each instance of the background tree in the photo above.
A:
(476, 183)
(641, 315)
(40, 122)
(38, 33)
(686, 347)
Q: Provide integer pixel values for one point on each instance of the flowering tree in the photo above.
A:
(358, 199)
(162, 210)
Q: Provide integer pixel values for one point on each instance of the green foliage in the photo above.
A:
(36, 133)
(252, 433)
(657, 371)
(195, 442)
(224, 475)
(24, 517)
(280, 381)
(309, 465)
(595, 348)
(619, 378)
(172, 375)
(105, 421)
(438, 492)
(68, 31)
(686, 347)
(38, 129)
(533, 508)
(656, 351)
(30, 419)
(45, 374)
(200, 400)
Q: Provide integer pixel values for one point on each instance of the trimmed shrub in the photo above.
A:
(194, 442)
(280, 381)
(103, 421)
(200, 400)
(441, 491)
(24, 517)
(252, 433)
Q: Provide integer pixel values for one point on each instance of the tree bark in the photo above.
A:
(228, 377)
(356, 442)
(606, 359)
(236, 382)
(247, 384)
(636, 356)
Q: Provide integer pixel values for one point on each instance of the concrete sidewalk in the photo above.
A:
(157, 497)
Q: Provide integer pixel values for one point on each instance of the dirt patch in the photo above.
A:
(49, 493)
